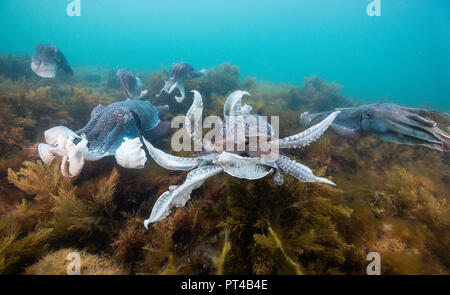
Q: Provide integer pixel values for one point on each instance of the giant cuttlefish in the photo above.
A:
(48, 60)
(392, 123)
(107, 128)
(179, 72)
(241, 127)
(130, 84)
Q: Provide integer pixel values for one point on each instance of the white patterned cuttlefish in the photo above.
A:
(179, 72)
(240, 127)
(107, 128)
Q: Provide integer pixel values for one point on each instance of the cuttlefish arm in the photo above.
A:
(59, 141)
(345, 130)
(233, 112)
(392, 123)
(193, 123)
(299, 171)
(309, 135)
(170, 85)
(177, 196)
(132, 154)
(74, 158)
(180, 86)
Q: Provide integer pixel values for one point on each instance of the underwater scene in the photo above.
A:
(224, 137)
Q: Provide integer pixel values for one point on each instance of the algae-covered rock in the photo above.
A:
(58, 263)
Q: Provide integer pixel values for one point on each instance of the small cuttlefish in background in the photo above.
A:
(178, 73)
(130, 84)
(48, 60)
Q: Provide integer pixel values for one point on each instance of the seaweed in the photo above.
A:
(221, 80)
(75, 217)
(389, 198)
(18, 248)
(302, 208)
(129, 245)
(219, 260)
(56, 263)
(15, 66)
(272, 243)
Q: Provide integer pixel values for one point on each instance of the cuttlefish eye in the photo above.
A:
(368, 115)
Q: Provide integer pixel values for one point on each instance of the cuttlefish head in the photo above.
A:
(403, 125)
(43, 62)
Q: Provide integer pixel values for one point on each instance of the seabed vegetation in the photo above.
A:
(389, 198)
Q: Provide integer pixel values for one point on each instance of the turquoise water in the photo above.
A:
(402, 56)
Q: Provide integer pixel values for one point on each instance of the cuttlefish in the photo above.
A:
(48, 60)
(107, 128)
(130, 84)
(179, 72)
(240, 127)
(392, 123)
